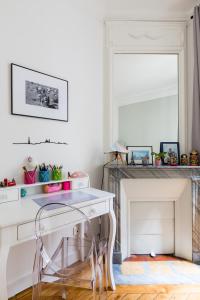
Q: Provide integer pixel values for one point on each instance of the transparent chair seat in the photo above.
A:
(61, 259)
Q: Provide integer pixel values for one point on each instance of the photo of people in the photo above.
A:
(171, 149)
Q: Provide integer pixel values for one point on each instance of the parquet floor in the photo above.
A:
(144, 292)
(136, 292)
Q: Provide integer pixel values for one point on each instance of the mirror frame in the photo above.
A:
(116, 44)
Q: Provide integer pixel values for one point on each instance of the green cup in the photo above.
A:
(57, 174)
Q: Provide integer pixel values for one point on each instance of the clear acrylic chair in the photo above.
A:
(69, 263)
(102, 256)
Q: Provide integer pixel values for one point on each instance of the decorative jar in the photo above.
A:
(184, 160)
(194, 158)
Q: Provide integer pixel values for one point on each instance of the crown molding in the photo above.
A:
(118, 16)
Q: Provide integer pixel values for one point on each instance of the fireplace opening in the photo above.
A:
(156, 216)
(152, 229)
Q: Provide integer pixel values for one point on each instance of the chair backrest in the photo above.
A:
(54, 218)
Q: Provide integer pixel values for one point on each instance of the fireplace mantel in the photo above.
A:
(114, 174)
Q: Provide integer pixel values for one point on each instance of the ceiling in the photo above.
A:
(145, 7)
(143, 77)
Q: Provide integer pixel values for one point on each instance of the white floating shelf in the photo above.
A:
(20, 186)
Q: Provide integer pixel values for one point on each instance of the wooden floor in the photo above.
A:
(145, 292)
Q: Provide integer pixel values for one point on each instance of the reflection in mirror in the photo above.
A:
(145, 99)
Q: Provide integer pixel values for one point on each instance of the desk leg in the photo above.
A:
(4, 251)
(111, 241)
(82, 236)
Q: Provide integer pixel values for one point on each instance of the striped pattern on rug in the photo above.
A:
(156, 271)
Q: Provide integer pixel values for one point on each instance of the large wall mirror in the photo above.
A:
(145, 99)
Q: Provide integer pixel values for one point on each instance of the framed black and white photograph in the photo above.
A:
(171, 149)
(36, 94)
(139, 155)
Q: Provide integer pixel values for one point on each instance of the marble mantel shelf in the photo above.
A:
(127, 171)
(114, 174)
(151, 167)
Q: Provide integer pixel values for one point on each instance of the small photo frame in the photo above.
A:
(39, 95)
(139, 155)
(171, 148)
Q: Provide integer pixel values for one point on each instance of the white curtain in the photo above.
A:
(196, 86)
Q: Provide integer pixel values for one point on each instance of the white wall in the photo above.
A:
(149, 122)
(152, 9)
(63, 38)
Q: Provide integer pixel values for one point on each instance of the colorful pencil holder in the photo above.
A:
(44, 176)
(30, 177)
(66, 186)
(57, 174)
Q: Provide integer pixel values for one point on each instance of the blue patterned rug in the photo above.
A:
(156, 272)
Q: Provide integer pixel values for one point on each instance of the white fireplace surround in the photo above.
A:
(177, 190)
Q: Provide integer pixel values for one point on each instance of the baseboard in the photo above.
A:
(20, 284)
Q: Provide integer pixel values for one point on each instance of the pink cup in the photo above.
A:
(66, 186)
(30, 177)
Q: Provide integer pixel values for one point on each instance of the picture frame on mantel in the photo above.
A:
(137, 154)
(38, 95)
(170, 148)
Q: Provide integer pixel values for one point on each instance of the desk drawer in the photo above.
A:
(96, 210)
(9, 195)
(49, 224)
(53, 223)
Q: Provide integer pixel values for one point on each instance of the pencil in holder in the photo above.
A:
(57, 174)
(30, 177)
(44, 176)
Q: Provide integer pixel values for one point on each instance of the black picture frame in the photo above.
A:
(138, 149)
(163, 149)
(64, 81)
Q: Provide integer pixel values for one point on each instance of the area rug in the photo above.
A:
(156, 272)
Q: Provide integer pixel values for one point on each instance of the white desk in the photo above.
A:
(17, 226)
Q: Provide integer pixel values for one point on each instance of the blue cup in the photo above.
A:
(44, 176)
